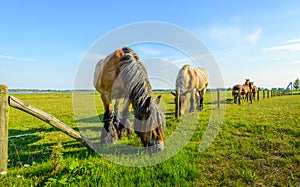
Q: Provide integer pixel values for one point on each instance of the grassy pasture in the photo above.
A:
(258, 145)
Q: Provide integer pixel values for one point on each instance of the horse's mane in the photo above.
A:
(182, 78)
(134, 76)
(137, 89)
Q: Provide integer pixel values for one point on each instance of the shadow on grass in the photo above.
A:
(93, 119)
(20, 151)
(227, 101)
(23, 146)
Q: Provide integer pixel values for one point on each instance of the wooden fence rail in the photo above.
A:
(6, 101)
(48, 118)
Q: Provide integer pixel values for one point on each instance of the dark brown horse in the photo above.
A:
(235, 92)
(122, 75)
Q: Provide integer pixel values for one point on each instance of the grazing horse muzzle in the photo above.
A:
(152, 139)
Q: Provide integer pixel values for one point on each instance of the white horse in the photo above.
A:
(194, 81)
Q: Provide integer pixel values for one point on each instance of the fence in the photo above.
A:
(5, 102)
(265, 94)
(261, 94)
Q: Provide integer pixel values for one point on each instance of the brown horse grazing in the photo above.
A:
(122, 75)
(194, 81)
(254, 90)
(244, 90)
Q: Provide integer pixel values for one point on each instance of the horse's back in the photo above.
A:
(189, 78)
(202, 78)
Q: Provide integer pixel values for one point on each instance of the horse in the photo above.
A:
(235, 91)
(244, 90)
(122, 75)
(254, 90)
(194, 81)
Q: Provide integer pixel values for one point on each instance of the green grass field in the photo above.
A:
(257, 145)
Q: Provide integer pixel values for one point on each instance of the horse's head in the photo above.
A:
(182, 101)
(149, 124)
(247, 82)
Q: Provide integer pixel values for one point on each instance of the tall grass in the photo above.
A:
(258, 145)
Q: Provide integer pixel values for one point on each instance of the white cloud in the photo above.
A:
(293, 41)
(289, 47)
(18, 58)
(296, 62)
(253, 37)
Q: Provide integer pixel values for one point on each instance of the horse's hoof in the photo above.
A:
(200, 108)
(109, 136)
(108, 140)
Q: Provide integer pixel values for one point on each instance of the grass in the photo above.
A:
(258, 145)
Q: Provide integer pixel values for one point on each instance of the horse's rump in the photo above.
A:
(236, 88)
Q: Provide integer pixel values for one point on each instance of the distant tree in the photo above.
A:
(296, 84)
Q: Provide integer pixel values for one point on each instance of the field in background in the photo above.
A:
(259, 144)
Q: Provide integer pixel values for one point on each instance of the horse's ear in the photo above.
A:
(119, 53)
(158, 99)
(173, 93)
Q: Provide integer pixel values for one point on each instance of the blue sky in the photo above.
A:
(42, 43)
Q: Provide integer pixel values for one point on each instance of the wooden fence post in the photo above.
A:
(257, 95)
(177, 112)
(239, 97)
(268, 93)
(264, 94)
(250, 96)
(4, 113)
(218, 97)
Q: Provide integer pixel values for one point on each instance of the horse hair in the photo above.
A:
(138, 90)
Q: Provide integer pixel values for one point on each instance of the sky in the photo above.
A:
(43, 43)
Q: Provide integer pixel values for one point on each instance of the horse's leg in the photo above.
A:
(126, 115)
(201, 93)
(198, 101)
(192, 101)
(116, 120)
(125, 123)
(109, 134)
(235, 97)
